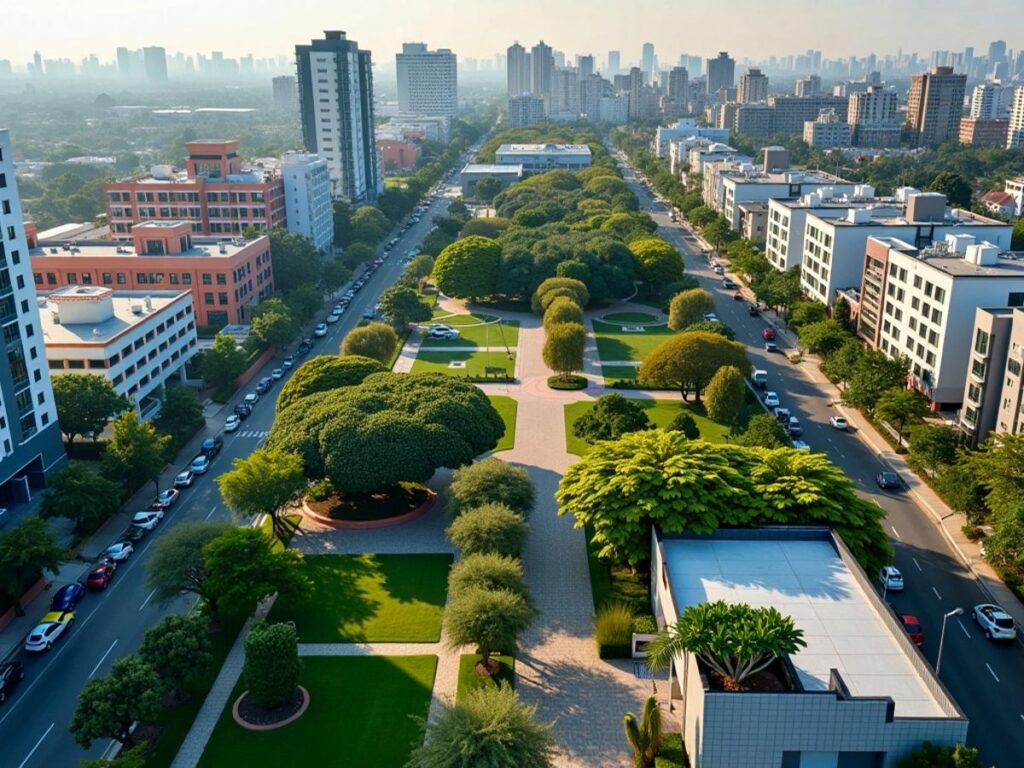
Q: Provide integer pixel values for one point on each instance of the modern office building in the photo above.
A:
(335, 80)
(827, 131)
(859, 694)
(935, 105)
(428, 81)
(286, 95)
(154, 60)
(473, 172)
(993, 399)
(517, 64)
(525, 110)
(542, 69)
(585, 65)
(215, 194)
(753, 87)
(679, 85)
(307, 198)
(721, 73)
(614, 63)
(30, 438)
(647, 62)
(136, 340)
(537, 158)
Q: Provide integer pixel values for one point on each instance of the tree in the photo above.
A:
(488, 529)
(725, 394)
(80, 495)
(181, 413)
(369, 225)
(564, 348)
(841, 314)
(735, 640)
(610, 417)
(109, 706)
(296, 260)
(419, 269)
(401, 304)
(263, 483)
(718, 233)
(823, 337)
(274, 326)
(490, 619)
(136, 452)
(689, 307)
(658, 261)
(333, 275)
(875, 374)
(358, 253)
(272, 665)
(841, 363)
(551, 289)
(712, 326)
(961, 488)
(175, 648)
(1005, 546)
(807, 312)
(223, 362)
(763, 431)
(932, 446)
(304, 302)
(900, 407)
(131, 758)
(468, 268)
(689, 360)
(490, 481)
(377, 341)
(997, 464)
(954, 186)
(85, 403)
(563, 310)
(489, 571)
(486, 188)
(929, 755)
(683, 422)
(490, 727)
(176, 564)
(573, 269)
(26, 551)
(326, 372)
(644, 736)
(1017, 239)
(779, 289)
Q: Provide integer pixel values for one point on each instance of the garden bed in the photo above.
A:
(471, 680)
(386, 505)
(660, 412)
(567, 383)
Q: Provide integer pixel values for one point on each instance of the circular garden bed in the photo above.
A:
(389, 506)
(250, 715)
(567, 382)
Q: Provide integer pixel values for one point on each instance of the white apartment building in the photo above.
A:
(685, 127)
(701, 154)
(1015, 136)
(1016, 188)
(614, 110)
(827, 132)
(307, 197)
(711, 176)
(536, 158)
(135, 340)
(993, 399)
(748, 185)
(30, 438)
(428, 81)
(915, 302)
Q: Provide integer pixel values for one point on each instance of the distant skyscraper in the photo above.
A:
(1015, 137)
(647, 62)
(335, 82)
(37, 63)
(935, 105)
(518, 70)
(427, 81)
(753, 87)
(721, 73)
(996, 52)
(542, 68)
(614, 63)
(679, 85)
(592, 89)
(285, 93)
(985, 102)
(585, 64)
(809, 86)
(154, 59)
(124, 62)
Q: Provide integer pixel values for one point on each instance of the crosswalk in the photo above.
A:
(251, 433)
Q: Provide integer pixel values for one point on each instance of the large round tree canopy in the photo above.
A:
(392, 428)
(325, 372)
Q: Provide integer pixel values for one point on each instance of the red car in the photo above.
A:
(913, 627)
(768, 334)
(100, 576)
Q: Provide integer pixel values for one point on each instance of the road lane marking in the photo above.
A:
(29, 755)
(895, 532)
(919, 568)
(964, 628)
(936, 593)
(991, 672)
(209, 514)
(102, 659)
(148, 598)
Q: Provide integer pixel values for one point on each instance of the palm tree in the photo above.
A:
(644, 737)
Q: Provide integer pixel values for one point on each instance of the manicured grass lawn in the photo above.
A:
(289, 525)
(430, 361)
(619, 584)
(469, 680)
(361, 715)
(505, 334)
(660, 412)
(506, 408)
(369, 598)
(615, 372)
(614, 344)
(630, 317)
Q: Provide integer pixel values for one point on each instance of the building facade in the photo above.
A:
(525, 110)
(976, 132)
(993, 399)
(517, 64)
(542, 69)
(537, 158)
(721, 73)
(753, 87)
(935, 105)
(749, 185)
(286, 95)
(428, 81)
(307, 197)
(1015, 130)
(827, 132)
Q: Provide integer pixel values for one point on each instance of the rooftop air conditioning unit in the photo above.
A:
(136, 309)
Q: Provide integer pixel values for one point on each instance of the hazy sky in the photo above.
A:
(755, 28)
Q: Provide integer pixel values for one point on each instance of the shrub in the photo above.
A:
(272, 664)
(567, 383)
(490, 529)
(613, 630)
(666, 292)
(490, 481)
(377, 341)
(611, 417)
(972, 532)
(489, 571)
(563, 310)
(548, 291)
(321, 490)
(683, 422)
(645, 624)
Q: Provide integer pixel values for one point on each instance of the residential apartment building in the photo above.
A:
(542, 69)
(614, 110)
(525, 110)
(307, 197)
(215, 194)
(565, 95)
(1015, 131)
(335, 81)
(872, 115)
(976, 132)
(398, 155)
(537, 158)
(30, 438)
(791, 112)
(428, 81)
(593, 88)
(749, 185)
(226, 277)
(826, 131)
(935, 105)
(685, 128)
(721, 73)
(753, 119)
(753, 87)
(517, 66)
(915, 303)
(136, 340)
(993, 399)
(679, 85)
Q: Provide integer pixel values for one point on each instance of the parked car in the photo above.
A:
(211, 446)
(135, 533)
(119, 552)
(771, 346)
(49, 628)
(768, 334)
(995, 623)
(794, 427)
(759, 378)
(737, 296)
(771, 399)
(728, 284)
(912, 627)
(165, 499)
(277, 373)
(185, 479)
(718, 269)
(369, 313)
(200, 464)
(320, 330)
(67, 597)
(333, 318)
(243, 411)
(232, 422)
(288, 362)
(891, 578)
(252, 398)
(888, 481)
(753, 311)
(304, 347)
(148, 519)
(100, 576)
(442, 332)
(838, 422)
(263, 385)
(11, 673)
(782, 415)
(800, 445)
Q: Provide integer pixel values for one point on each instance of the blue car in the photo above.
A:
(67, 597)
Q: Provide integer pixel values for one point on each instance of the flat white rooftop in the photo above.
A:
(808, 581)
(494, 168)
(101, 333)
(544, 149)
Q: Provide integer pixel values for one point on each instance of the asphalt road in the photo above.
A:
(985, 678)
(109, 624)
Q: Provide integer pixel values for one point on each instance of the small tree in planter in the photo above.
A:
(491, 619)
(644, 736)
(272, 664)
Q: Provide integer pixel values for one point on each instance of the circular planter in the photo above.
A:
(272, 726)
(571, 383)
(364, 525)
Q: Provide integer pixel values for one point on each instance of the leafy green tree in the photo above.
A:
(712, 326)
(369, 225)
(487, 188)
(304, 302)
(900, 407)
(807, 312)
(929, 755)
(176, 563)
(435, 242)
(489, 727)
(181, 413)
(669, 291)
(684, 422)
(689, 307)
(553, 288)
(997, 464)
(487, 571)
(334, 274)
(563, 310)
(274, 327)
(658, 261)
(735, 640)
(610, 417)
(954, 186)
(326, 372)
(223, 362)
(377, 341)
(468, 268)
(841, 363)
(961, 488)
(875, 374)
(718, 233)
(85, 404)
(573, 269)
(80, 495)
(358, 253)
(779, 289)
(841, 314)
(701, 216)
(263, 483)
(564, 348)
(491, 619)
(823, 337)
(932, 446)
(689, 360)
(296, 260)
(488, 529)
(419, 269)
(725, 394)
(644, 735)
(109, 706)
(176, 648)
(490, 481)
(131, 758)
(763, 431)
(402, 305)
(272, 664)
(26, 550)
(492, 227)
(1005, 546)
(136, 451)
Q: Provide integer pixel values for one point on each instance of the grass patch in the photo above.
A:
(393, 501)
(660, 412)
(615, 372)
(673, 754)
(630, 317)
(474, 333)
(476, 363)
(369, 598)
(616, 584)
(614, 344)
(469, 680)
(506, 408)
(361, 715)
(289, 525)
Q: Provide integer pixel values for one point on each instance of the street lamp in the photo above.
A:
(942, 637)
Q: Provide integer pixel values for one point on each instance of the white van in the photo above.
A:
(760, 378)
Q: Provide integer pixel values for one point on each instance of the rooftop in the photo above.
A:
(513, 170)
(85, 249)
(758, 176)
(808, 581)
(99, 333)
(1005, 264)
(955, 217)
(532, 149)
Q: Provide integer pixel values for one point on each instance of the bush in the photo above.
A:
(666, 292)
(613, 630)
(490, 572)
(645, 624)
(684, 422)
(321, 490)
(567, 383)
(490, 529)
(972, 532)
(563, 310)
(377, 341)
(673, 752)
(272, 663)
(554, 287)
(611, 417)
(490, 481)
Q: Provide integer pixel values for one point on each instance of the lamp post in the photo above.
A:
(942, 637)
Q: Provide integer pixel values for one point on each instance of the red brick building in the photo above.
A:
(976, 132)
(397, 155)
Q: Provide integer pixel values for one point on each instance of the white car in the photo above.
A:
(711, 317)
(252, 398)
(231, 423)
(320, 330)
(996, 623)
(442, 332)
(200, 465)
(771, 399)
(277, 373)
(119, 552)
(891, 578)
(719, 269)
(147, 521)
(184, 479)
(333, 318)
(49, 628)
(838, 422)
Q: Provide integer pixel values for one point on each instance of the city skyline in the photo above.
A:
(384, 26)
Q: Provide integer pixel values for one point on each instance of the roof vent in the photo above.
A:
(96, 333)
(148, 302)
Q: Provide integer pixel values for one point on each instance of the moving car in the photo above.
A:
(995, 623)
(119, 552)
(320, 330)
(165, 499)
(11, 673)
(768, 334)
(838, 422)
(888, 480)
(200, 464)
(760, 378)
(794, 427)
(913, 627)
(100, 576)
(369, 313)
(891, 578)
(67, 597)
(277, 373)
(232, 422)
(211, 446)
(49, 628)
(148, 519)
(771, 399)
(288, 362)
(252, 398)
(186, 478)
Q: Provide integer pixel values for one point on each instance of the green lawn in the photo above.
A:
(613, 344)
(361, 715)
(431, 361)
(469, 680)
(504, 334)
(289, 524)
(369, 598)
(630, 317)
(616, 372)
(506, 408)
(660, 412)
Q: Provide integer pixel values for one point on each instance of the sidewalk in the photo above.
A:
(13, 635)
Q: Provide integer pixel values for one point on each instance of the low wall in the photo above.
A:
(253, 369)
(29, 596)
